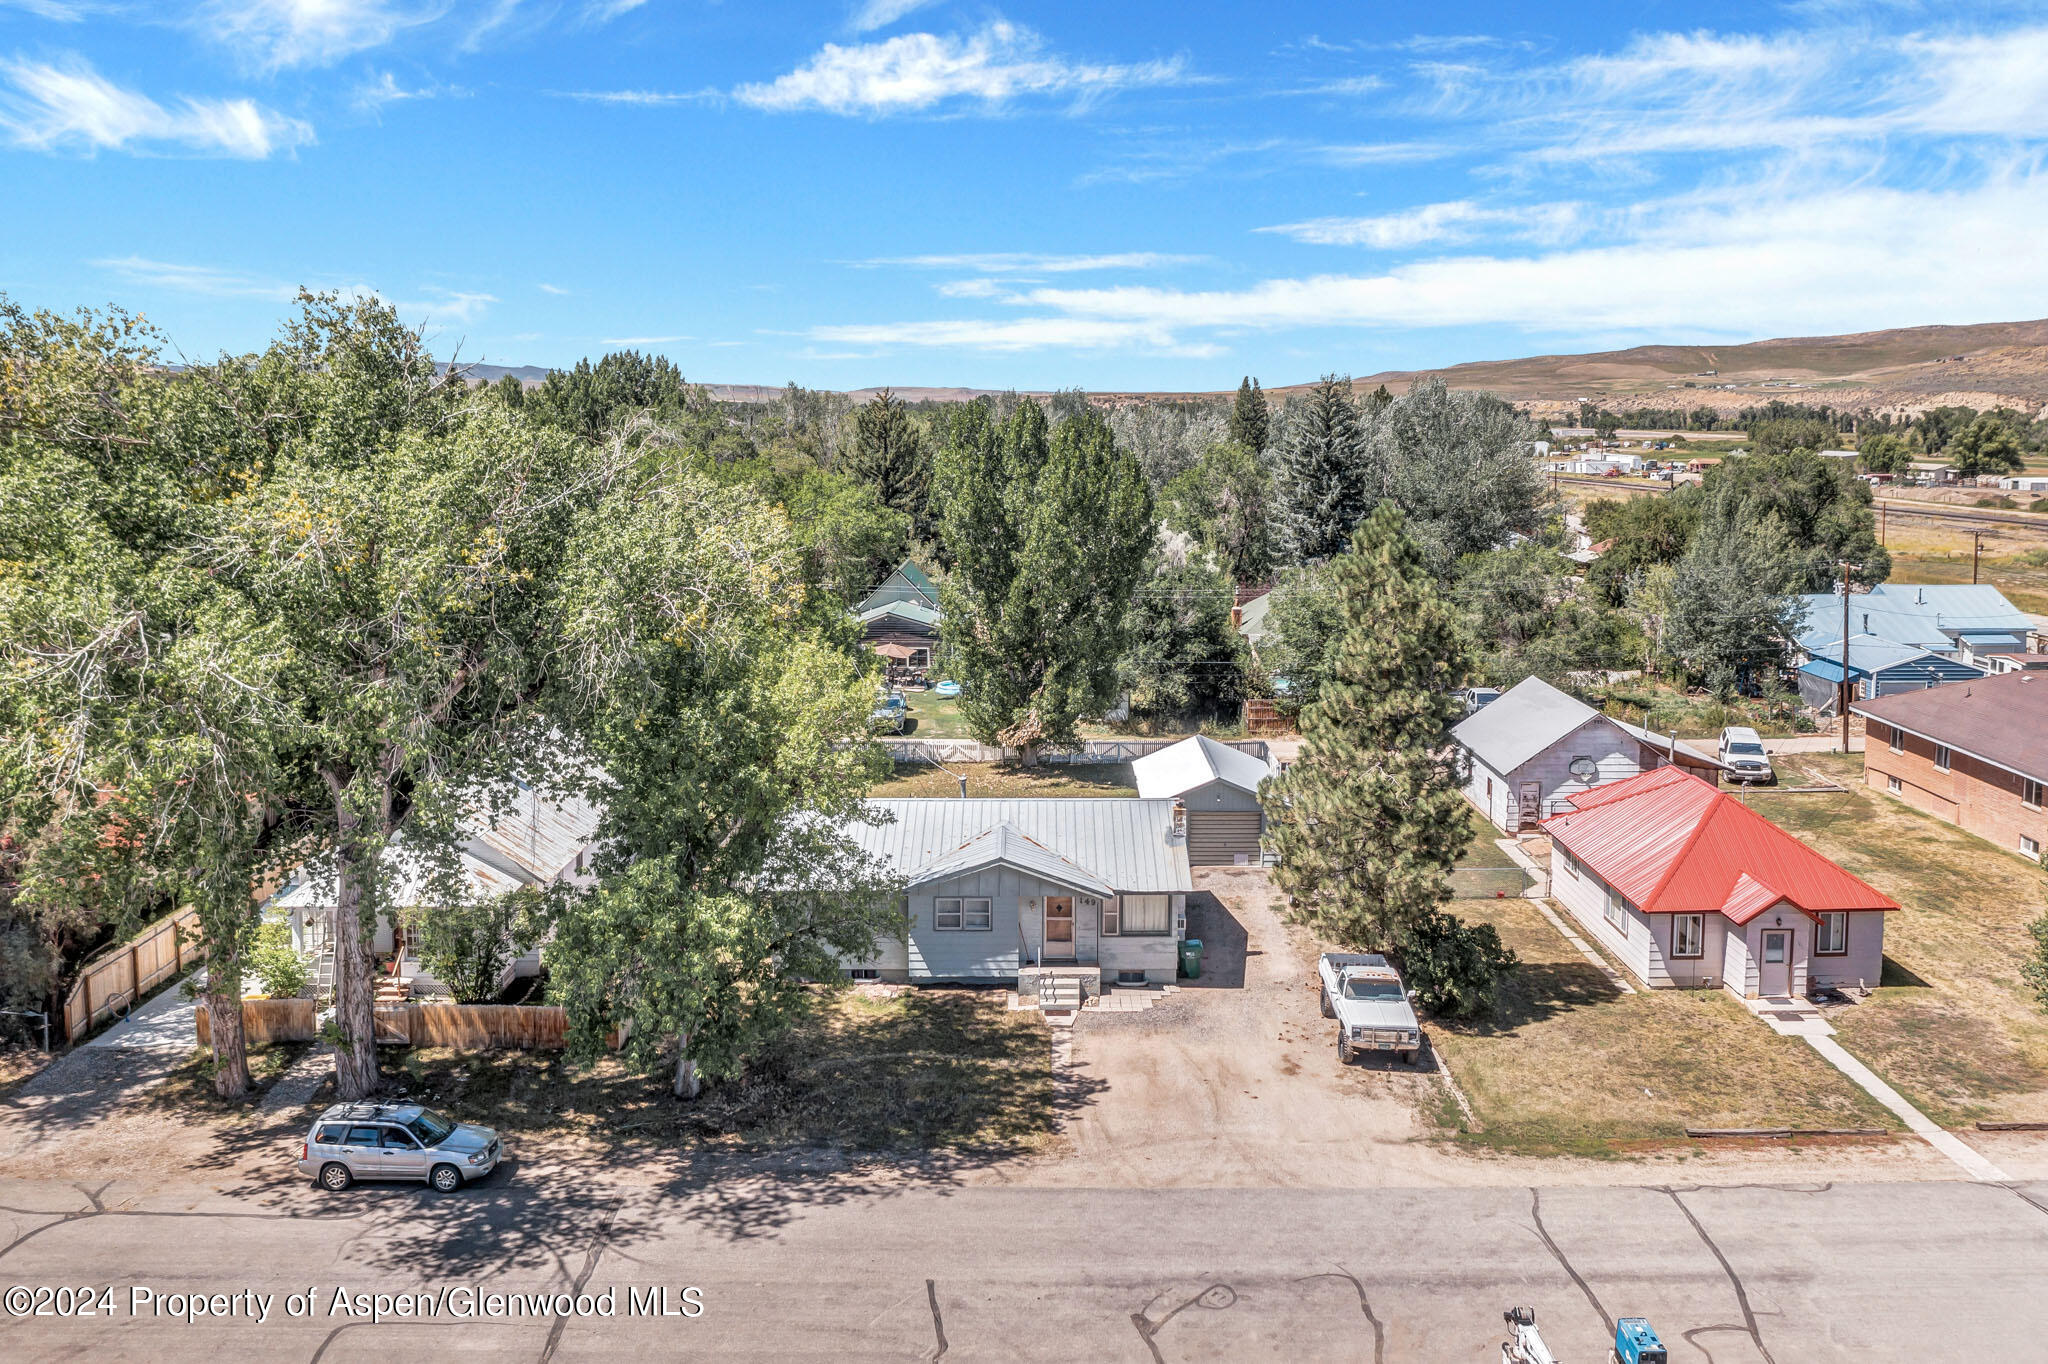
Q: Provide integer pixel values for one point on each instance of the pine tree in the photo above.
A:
(1370, 820)
(1250, 419)
(1322, 470)
(889, 456)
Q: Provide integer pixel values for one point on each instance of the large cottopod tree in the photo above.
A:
(1047, 531)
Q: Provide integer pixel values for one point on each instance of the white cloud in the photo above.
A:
(876, 14)
(195, 279)
(554, 289)
(1382, 153)
(1013, 262)
(446, 305)
(1438, 224)
(974, 288)
(1000, 63)
(56, 11)
(645, 340)
(276, 34)
(1831, 260)
(604, 11)
(69, 106)
(372, 95)
(646, 97)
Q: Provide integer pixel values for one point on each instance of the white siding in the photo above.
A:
(1587, 897)
(1617, 756)
(1864, 962)
(1738, 967)
(1687, 973)
(1801, 929)
(1484, 787)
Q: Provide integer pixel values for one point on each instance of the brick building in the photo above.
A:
(1973, 753)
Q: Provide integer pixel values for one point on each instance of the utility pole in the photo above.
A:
(1842, 698)
(1976, 547)
(1881, 510)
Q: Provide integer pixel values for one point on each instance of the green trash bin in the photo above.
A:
(1191, 958)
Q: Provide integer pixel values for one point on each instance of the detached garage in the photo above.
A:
(1218, 787)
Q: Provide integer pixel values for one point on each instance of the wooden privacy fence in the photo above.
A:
(265, 1021)
(461, 1027)
(119, 976)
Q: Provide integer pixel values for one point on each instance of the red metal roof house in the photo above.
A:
(1693, 889)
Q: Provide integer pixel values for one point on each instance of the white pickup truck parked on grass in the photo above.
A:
(1371, 1007)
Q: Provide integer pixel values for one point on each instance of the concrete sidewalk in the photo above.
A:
(165, 1024)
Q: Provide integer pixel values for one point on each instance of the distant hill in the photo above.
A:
(1906, 369)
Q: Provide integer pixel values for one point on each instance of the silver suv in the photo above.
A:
(396, 1141)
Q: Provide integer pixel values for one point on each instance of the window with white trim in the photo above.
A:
(2031, 847)
(1898, 740)
(1145, 916)
(1615, 914)
(975, 915)
(2030, 793)
(1688, 935)
(1941, 757)
(1893, 785)
(1831, 933)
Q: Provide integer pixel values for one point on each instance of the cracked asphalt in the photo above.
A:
(794, 1265)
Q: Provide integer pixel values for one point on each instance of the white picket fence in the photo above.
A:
(943, 751)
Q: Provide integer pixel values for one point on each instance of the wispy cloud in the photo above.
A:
(194, 279)
(604, 11)
(1000, 63)
(272, 35)
(1438, 224)
(446, 306)
(645, 340)
(554, 289)
(57, 11)
(383, 89)
(69, 106)
(876, 14)
(1020, 334)
(1033, 262)
(642, 97)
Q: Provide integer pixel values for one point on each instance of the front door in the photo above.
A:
(1776, 977)
(1059, 928)
(1529, 809)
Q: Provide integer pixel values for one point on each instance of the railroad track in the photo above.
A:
(1892, 506)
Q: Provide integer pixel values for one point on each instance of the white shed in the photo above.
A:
(1218, 786)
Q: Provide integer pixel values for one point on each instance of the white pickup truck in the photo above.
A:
(1366, 997)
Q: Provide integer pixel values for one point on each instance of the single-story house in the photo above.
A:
(1009, 890)
(900, 618)
(1973, 753)
(1535, 746)
(1941, 617)
(1692, 889)
(1217, 786)
(540, 840)
(1877, 667)
(2024, 483)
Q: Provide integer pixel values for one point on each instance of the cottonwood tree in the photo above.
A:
(1226, 503)
(1047, 531)
(1821, 510)
(1458, 464)
(729, 743)
(1320, 460)
(1183, 655)
(1988, 445)
(1370, 819)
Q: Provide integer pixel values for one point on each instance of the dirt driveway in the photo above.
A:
(1235, 1080)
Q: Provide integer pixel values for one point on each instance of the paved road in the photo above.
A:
(816, 1267)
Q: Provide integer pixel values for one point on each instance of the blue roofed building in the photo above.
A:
(1957, 620)
(1877, 667)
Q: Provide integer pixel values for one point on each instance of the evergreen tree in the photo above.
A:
(1370, 820)
(1250, 418)
(1322, 471)
(889, 456)
(1047, 534)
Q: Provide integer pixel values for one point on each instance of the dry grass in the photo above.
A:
(1008, 780)
(17, 1065)
(1569, 1066)
(1952, 1027)
(918, 1071)
(1485, 851)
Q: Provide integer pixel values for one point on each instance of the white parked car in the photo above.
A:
(1365, 995)
(1743, 751)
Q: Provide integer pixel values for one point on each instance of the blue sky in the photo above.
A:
(1131, 195)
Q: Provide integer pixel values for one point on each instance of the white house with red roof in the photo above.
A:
(1692, 889)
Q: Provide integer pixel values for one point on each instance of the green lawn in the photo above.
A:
(1952, 1027)
(1567, 1065)
(1006, 780)
(935, 717)
(1485, 851)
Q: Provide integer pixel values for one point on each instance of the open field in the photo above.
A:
(1952, 1027)
(1569, 1066)
(1008, 780)
(873, 1070)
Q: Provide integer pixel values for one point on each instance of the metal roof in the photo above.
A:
(1670, 843)
(1251, 617)
(1005, 842)
(914, 611)
(1196, 762)
(1126, 844)
(2002, 720)
(1931, 615)
(1527, 718)
(908, 583)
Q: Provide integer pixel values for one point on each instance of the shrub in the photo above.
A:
(273, 961)
(1455, 967)
(468, 946)
(2034, 970)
